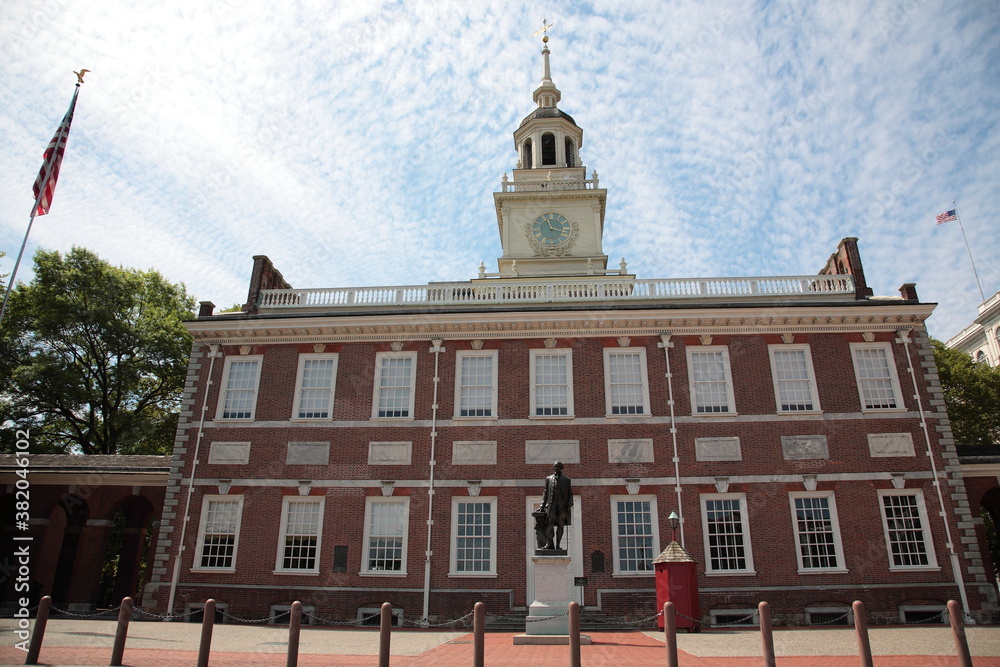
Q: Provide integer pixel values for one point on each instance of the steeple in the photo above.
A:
(550, 215)
(547, 95)
(548, 137)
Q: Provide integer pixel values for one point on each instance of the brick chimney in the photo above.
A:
(847, 260)
(264, 276)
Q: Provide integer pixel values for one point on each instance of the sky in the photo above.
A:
(359, 143)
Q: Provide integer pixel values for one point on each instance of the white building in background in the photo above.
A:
(981, 339)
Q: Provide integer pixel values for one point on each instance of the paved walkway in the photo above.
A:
(71, 643)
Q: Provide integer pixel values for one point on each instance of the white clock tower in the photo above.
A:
(550, 215)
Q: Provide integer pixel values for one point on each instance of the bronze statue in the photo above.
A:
(557, 504)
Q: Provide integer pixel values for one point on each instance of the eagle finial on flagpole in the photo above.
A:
(79, 75)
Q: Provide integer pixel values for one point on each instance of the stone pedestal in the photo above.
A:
(548, 620)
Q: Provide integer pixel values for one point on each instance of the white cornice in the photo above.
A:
(507, 324)
(981, 470)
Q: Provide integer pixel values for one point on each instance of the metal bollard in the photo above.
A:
(861, 628)
(479, 635)
(124, 614)
(766, 637)
(958, 629)
(670, 632)
(574, 634)
(207, 624)
(294, 628)
(384, 635)
(38, 632)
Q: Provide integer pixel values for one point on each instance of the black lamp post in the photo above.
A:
(675, 521)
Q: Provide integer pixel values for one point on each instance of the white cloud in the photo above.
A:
(360, 143)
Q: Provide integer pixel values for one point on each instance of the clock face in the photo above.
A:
(551, 229)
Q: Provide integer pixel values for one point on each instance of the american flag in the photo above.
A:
(947, 216)
(45, 183)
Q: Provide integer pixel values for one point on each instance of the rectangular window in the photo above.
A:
(635, 533)
(395, 377)
(240, 379)
(906, 535)
(315, 383)
(473, 527)
(475, 384)
(711, 380)
(817, 533)
(794, 380)
(218, 533)
(875, 370)
(301, 529)
(386, 522)
(727, 536)
(626, 387)
(551, 383)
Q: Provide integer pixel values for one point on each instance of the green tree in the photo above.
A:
(972, 395)
(96, 356)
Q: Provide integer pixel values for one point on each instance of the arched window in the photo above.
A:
(981, 358)
(548, 149)
(570, 153)
(526, 163)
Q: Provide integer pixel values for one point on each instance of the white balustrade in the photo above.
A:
(542, 186)
(501, 291)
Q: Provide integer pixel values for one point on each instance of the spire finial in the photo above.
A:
(545, 32)
(547, 95)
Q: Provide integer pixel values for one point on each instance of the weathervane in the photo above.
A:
(544, 29)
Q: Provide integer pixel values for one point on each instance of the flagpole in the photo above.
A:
(49, 167)
(982, 297)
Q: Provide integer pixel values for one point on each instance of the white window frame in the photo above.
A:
(376, 391)
(654, 545)
(925, 529)
(745, 525)
(453, 570)
(893, 376)
(286, 502)
(370, 502)
(467, 354)
(303, 358)
(772, 350)
(541, 352)
(196, 564)
(835, 529)
(644, 379)
(690, 351)
(224, 389)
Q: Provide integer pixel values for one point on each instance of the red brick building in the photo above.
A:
(350, 446)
